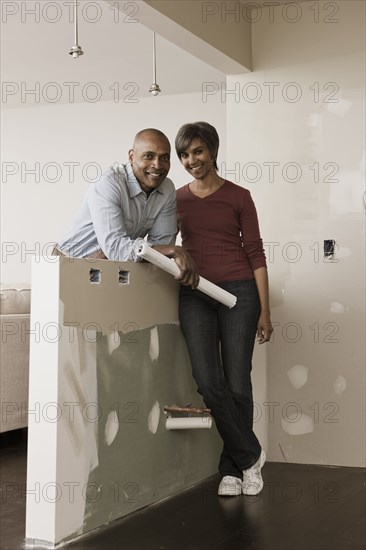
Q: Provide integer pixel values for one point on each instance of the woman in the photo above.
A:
(219, 228)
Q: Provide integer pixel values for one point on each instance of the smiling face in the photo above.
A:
(197, 159)
(150, 159)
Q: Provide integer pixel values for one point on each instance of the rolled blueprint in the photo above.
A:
(169, 265)
(188, 423)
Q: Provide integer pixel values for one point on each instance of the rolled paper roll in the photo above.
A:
(188, 410)
(188, 423)
(169, 265)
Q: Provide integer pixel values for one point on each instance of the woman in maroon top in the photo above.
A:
(219, 228)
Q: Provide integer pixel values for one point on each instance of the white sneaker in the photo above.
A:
(252, 478)
(230, 486)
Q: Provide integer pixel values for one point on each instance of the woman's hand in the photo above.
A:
(264, 328)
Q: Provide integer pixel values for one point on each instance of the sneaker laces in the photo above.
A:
(230, 478)
(251, 474)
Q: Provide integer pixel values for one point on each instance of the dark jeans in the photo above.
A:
(220, 343)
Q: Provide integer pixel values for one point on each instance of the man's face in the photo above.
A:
(150, 159)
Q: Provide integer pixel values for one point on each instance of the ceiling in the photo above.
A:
(117, 58)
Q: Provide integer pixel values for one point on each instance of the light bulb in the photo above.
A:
(154, 89)
(76, 51)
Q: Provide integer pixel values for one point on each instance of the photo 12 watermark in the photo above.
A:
(31, 93)
(290, 332)
(70, 412)
(64, 11)
(270, 12)
(271, 92)
(50, 172)
(292, 492)
(126, 492)
(293, 412)
(278, 172)
(52, 332)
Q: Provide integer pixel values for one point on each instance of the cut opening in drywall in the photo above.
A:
(95, 276)
(123, 277)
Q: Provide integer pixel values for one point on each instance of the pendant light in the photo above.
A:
(154, 88)
(76, 50)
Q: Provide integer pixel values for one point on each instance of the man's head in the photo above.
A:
(150, 158)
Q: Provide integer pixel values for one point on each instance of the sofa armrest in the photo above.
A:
(14, 373)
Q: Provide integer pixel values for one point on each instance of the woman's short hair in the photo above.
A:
(202, 130)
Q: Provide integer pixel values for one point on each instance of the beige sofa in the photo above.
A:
(14, 355)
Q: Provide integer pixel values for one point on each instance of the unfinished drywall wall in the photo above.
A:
(296, 140)
(105, 360)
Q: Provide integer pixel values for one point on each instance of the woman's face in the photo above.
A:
(197, 159)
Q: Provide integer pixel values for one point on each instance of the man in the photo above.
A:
(127, 203)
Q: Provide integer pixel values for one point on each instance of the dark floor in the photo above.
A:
(300, 508)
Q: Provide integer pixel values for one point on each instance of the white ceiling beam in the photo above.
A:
(215, 32)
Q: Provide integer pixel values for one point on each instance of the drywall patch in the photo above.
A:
(90, 335)
(154, 344)
(340, 108)
(111, 427)
(153, 418)
(340, 385)
(295, 424)
(336, 307)
(298, 375)
(343, 252)
(114, 341)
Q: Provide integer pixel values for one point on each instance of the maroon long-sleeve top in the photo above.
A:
(221, 232)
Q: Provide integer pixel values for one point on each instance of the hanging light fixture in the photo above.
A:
(76, 50)
(154, 88)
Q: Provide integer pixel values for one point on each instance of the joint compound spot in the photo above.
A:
(154, 344)
(343, 252)
(153, 418)
(298, 375)
(295, 425)
(90, 334)
(340, 385)
(341, 108)
(114, 341)
(336, 307)
(111, 427)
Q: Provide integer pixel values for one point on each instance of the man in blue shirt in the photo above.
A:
(129, 202)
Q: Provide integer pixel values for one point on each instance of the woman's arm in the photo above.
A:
(265, 328)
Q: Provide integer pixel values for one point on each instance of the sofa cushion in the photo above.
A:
(15, 299)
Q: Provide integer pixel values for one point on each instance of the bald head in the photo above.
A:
(150, 158)
(149, 133)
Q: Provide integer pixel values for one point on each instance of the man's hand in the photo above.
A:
(99, 255)
(187, 266)
(188, 269)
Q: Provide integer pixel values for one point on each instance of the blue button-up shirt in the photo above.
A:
(116, 214)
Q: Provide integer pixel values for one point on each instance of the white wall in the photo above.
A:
(37, 213)
(317, 305)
